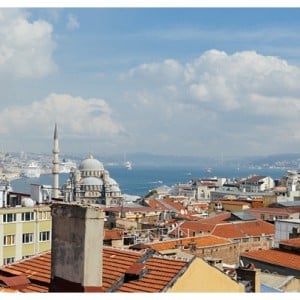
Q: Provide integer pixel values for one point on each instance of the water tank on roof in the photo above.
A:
(27, 202)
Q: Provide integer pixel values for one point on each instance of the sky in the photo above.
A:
(163, 80)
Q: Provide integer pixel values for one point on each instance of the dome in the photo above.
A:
(27, 202)
(91, 181)
(112, 181)
(91, 164)
(115, 189)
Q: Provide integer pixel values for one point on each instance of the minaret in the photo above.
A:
(55, 170)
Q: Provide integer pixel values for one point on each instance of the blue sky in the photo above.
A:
(186, 81)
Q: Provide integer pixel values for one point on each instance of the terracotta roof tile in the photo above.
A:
(274, 210)
(243, 229)
(276, 257)
(218, 218)
(113, 234)
(140, 209)
(155, 204)
(7, 290)
(295, 242)
(234, 202)
(177, 205)
(253, 179)
(201, 241)
(190, 227)
(160, 271)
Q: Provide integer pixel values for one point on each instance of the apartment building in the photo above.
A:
(25, 223)
(25, 231)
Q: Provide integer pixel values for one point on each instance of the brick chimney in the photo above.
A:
(77, 248)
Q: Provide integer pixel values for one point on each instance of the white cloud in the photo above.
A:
(79, 118)
(244, 98)
(168, 70)
(26, 46)
(72, 22)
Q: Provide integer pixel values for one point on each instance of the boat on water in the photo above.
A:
(33, 170)
(208, 170)
(128, 165)
(66, 165)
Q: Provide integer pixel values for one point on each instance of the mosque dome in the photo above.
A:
(115, 189)
(112, 181)
(91, 164)
(91, 181)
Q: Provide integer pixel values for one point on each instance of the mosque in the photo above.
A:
(89, 183)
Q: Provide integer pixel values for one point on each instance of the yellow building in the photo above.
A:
(203, 278)
(24, 231)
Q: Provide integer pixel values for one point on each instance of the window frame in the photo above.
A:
(9, 218)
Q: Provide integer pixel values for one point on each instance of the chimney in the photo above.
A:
(77, 248)
(250, 273)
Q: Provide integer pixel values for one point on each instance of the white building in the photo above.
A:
(256, 184)
(286, 229)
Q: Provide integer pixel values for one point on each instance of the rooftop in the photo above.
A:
(201, 241)
(275, 257)
(160, 271)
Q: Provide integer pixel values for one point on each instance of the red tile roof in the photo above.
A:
(131, 209)
(201, 241)
(295, 242)
(14, 281)
(116, 262)
(234, 202)
(7, 290)
(253, 179)
(177, 205)
(275, 257)
(284, 211)
(243, 229)
(114, 234)
(218, 218)
(155, 204)
(189, 228)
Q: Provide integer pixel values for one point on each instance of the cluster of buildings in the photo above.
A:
(208, 235)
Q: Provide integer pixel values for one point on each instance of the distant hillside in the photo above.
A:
(288, 160)
(284, 160)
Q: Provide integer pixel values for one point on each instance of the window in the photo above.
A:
(27, 216)
(27, 238)
(8, 260)
(9, 218)
(44, 236)
(9, 240)
(26, 256)
(44, 215)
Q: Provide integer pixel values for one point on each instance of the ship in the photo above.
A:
(66, 165)
(32, 170)
(128, 165)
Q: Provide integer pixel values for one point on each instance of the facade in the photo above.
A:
(271, 214)
(25, 231)
(208, 247)
(286, 229)
(257, 184)
(25, 223)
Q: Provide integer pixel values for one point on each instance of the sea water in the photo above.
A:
(140, 180)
